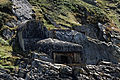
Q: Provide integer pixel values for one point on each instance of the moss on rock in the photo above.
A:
(75, 12)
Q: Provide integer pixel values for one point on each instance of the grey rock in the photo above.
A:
(66, 70)
(101, 51)
(4, 75)
(22, 9)
(93, 49)
(21, 74)
(10, 24)
(44, 70)
(8, 33)
(41, 56)
(29, 33)
(68, 35)
(89, 30)
(104, 63)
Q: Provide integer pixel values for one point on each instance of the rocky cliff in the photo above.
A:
(34, 33)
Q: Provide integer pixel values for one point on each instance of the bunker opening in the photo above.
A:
(67, 57)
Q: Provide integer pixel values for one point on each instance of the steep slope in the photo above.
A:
(7, 60)
(87, 27)
(68, 13)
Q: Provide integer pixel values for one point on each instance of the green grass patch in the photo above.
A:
(3, 42)
(7, 60)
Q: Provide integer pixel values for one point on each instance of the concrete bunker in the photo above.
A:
(61, 51)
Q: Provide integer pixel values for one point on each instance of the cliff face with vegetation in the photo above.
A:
(76, 12)
(25, 26)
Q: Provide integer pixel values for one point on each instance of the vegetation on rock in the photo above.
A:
(7, 60)
(58, 14)
(68, 13)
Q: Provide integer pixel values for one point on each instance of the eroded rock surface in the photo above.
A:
(94, 49)
(90, 40)
(22, 9)
(31, 32)
(41, 66)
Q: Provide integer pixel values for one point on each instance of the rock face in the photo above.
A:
(91, 30)
(47, 70)
(91, 41)
(8, 33)
(41, 67)
(31, 32)
(4, 75)
(68, 35)
(22, 9)
(94, 50)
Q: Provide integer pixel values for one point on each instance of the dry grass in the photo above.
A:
(4, 2)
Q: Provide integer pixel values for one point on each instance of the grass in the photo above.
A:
(4, 3)
(111, 13)
(76, 12)
(6, 15)
(3, 42)
(7, 60)
(69, 12)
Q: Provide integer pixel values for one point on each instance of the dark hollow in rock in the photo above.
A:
(31, 32)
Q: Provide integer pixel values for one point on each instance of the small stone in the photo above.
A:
(104, 63)
(107, 75)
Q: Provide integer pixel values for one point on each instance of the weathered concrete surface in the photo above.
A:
(53, 45)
